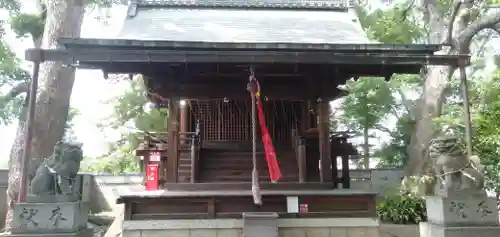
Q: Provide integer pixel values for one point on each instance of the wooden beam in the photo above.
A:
(237, 91)
(89, 55)
(324, 140)
(183, 120)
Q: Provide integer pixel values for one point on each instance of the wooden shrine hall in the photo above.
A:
(203, 60)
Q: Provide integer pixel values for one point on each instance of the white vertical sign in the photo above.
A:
(154, 156)
(292, 204)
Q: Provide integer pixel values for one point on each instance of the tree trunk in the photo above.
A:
(64, 19)
(16, 152)
(428, 108)
(366, 148)
(458, 33)
(430, 103)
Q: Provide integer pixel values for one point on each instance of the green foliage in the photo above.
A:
(117, 162)
(131, 110)
(28, 24)
(402, 209)
(484, 96)
(486, 125)
(11, 75)
(395, 25)
(394, 153)
(10, 5)
(369, 100)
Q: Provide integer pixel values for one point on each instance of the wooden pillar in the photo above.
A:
(183, 120)
(144, 160)
(194, 159)
(301, 159)
(335, 175)
(304, 114)
(324, 141)
(346, 178)
(173, 140)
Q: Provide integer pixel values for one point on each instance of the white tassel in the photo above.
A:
(257, 198)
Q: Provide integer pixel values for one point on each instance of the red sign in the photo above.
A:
(303, 208)
(152, 177)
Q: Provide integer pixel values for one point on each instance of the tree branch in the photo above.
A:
(17, 90)
(489, 22)
(454, 12)
(381, 128)
(407, 104)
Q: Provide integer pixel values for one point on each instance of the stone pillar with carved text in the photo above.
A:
(57, 203)
(460, 206)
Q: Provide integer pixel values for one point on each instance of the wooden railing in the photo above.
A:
(159, 142)
(196, 144)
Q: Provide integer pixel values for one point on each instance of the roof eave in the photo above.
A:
(161, 45)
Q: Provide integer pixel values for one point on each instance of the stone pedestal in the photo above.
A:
(260, 224)
(461, 216)
(52, 215)
(64, 219)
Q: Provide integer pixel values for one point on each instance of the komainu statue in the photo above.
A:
(56, 175)
(457, 174)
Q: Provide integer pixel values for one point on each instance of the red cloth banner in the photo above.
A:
(272, 161)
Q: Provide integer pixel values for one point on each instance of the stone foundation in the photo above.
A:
(297, 227)
(433, 230)
(81, 233)
(461, 216)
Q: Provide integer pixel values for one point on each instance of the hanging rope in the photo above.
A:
(252, 89)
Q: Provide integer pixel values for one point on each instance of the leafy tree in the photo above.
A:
(368, 102)
(456, 26)
(56, 19)
(393, 153)
(486, 139)
(455, 23)
(132, 111)
(11, 76)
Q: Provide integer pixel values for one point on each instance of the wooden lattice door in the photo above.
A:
(224, 120)
(231, 120)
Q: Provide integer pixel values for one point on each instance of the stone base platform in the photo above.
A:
(435, 230)
(36, 218)
(287, 227)
(81, 233)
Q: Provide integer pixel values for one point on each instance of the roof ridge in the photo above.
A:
(278, 4)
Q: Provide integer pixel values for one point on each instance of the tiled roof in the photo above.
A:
(231, 25)
(304, 4)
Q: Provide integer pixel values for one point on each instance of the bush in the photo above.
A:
(402, 209)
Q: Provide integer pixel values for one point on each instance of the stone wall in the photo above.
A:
(392, 230)
(377, 180)
(303, 227)
(4, 176)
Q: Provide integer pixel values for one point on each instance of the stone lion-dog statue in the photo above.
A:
(57, 173)
(456, 172)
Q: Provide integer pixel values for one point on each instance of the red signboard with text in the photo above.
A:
(303, 208)
(152, 177)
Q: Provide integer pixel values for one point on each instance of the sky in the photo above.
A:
(89, 92)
